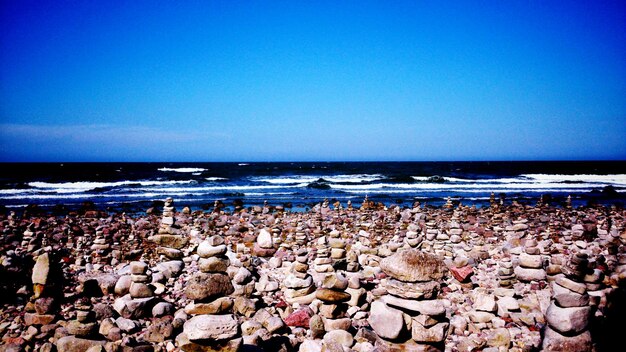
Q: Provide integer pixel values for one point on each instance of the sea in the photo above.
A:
(299, 186)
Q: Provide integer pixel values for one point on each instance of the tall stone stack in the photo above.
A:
(301, 235)
(213, 327)
(569, 312)
(169, 236)
(413, 237)
(352, 261)
(82, 331)
(28, 238)
(45, 293)
(298, 284)
(506, 275)
(100, 247)
(323, 262)
(334, 297)
(412, 287)
(530, 266)
(337, 246)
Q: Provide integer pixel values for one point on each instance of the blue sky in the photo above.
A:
(314, 80)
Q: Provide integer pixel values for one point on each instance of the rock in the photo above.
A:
(527, 275)
(508, 303)
(412, 265)
(245, 306)
(215, 327)
(572, 320)
(126, 325)
(218, 306)
(122, 286)
(339, 336)
(571, 285)
(311, 346)
(499, 338)
(419, 290)
(485, 303)
(213, 265)
(299, 318)
(171, 241)
(331, 296)
(133, 308)
(316, 324)
(291, 281)
(530, 261)
(428, 307)
(433, 334)
(462, 274)
(140, 290)
(160, 330)
(480, 317)
(567, 298)
(38, 319)
(138, 268)
(387, 322)
(41, 270)
(204, 286)
(205, 250)
(163, 308)
(75, 344)
(554, 341)
(264, 240)
(335, 281)
(274, 324)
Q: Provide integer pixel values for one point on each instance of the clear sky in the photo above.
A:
(312, 80)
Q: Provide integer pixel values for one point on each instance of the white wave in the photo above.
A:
(216, 178)
(358, 178)
(182, 169)
(615, 179)
(223, 188)
(85, 186)
(259, 194)
(243, 164)
(484, 187)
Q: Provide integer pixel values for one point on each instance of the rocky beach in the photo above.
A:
(339, 277)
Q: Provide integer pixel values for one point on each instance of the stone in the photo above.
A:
(204, 286)
(140, 290)
(500, 337)
(291, 281)
(387, 322)
(126, 325)
(205, 250)
(554, 341)
(530, 261)
(38, 319)
(215, 327)
(75, 344)
(462, 274)
(220, 305)
(420, 290)
(159, 330)
(485, 303)
(335, 281)
(163, 308)
(81, 329)
(311, 346)
(571, 285)
(341, 337)
(508, 303)
(172, 241)
(41, 270)
(428, 307)
(274, 324)
(316, 324)
(480, 317)
(567, 298)
(299, 318)
(571, 320)
(138, 268)
(331, 296)
(527, 275)
(213, 265)
(264, 240)
(412, 265)
(433, 334)
(122, 286)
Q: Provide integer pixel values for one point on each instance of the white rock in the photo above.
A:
(387, 322)
(215, 327)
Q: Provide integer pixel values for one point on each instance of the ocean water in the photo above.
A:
(133, 187)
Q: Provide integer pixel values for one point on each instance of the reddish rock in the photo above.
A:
(38, 319)
(462, 274)
(299, 318)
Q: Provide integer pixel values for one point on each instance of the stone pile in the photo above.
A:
(337, 246)
(333, 309)
(264, 245)
(506, 276)
(413, 237)
(323, 262)
(530, 266)
(298, 284)
(213, 326)
(411, 309)
(169, 237)
(569, 313)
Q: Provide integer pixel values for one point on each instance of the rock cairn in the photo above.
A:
(333, 308)
(213, 326)
(337, 246)
(298, 283)
(569, 312)
(530, 263)
(170, 237)
(323, 262)
(506, 276)
(413, 285)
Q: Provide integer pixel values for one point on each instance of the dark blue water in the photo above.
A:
(135, 186)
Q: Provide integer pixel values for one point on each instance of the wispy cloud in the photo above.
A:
(100, 141)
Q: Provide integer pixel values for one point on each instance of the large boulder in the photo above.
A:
(412, 265)
(211, 327)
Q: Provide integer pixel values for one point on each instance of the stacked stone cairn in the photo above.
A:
(169, 237)
(352, 261)
(530, 266)
(82, 330)
(337, 246)
(264, 245)
(40, 311)
(410, 308)
(569, 312)
(323, 262)
(506, 275)
(213, 327)
(413, 237)
(28, 238)
(333, 308)
(298, 283)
